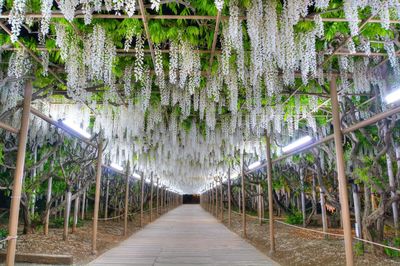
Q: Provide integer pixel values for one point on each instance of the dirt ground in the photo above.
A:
(110, 233)
(293, 246)
(299, 247)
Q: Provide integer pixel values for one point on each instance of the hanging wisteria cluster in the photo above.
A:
(181, 120)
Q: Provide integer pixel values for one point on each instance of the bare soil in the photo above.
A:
(293, 246)
(299, 247)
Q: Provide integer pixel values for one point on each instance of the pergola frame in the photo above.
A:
(338, 132)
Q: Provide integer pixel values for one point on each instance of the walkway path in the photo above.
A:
(187, 235)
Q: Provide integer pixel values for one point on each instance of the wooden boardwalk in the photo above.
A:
(187, 235)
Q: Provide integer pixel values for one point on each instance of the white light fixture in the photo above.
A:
(135, 175)
(76, 128)
(254, 165)
(297, 144)
(116, 167)
(393, 97)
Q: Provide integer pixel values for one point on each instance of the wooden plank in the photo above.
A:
(186, 235)
(41, 258)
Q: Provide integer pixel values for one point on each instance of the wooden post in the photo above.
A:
(67, 211)
(222, 202)
(141, 199)
(18, 176)
(240, 201)
(83, 205)
(166, 199)
(76, 211)
(357, 210)
(212, 199)
(303, 196)
(323, 213)
(340, 167)
(48, 198)
(161, 200)
(216, 199)
(151, 198)
(229, 197)
(259, 203)
(60, 213)
(97, 193)
(243, 195)
(33, 177)
(158, 200)
(270, 198)
(107, 196)
(126, 200)
(392, 183)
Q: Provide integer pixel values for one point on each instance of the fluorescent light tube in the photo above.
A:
(76, 128)
(135, 175)
(254, 165)
(116, 167)
(297, 144)
(393, 97)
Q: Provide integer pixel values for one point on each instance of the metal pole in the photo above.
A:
(229, 197)
(97, 193)
(18, 176)
(340, 167)
(141, 200)
(243, 196)
(270, 199)
(126, 200)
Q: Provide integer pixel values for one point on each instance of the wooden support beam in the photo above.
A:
(131, 52)
(97, 194)
(270, 198)
(222, 201)
(8, 128)
(126, 200)
(31, 53)
(215, 39)
(48, 199)
(158, 198)
(364, 23)
(80, 15)
(141, 199)
(107, 196)
(18, 176)
(244, 225)
(146, 29)
(151, 198)
(340, 167)
(229, 197)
